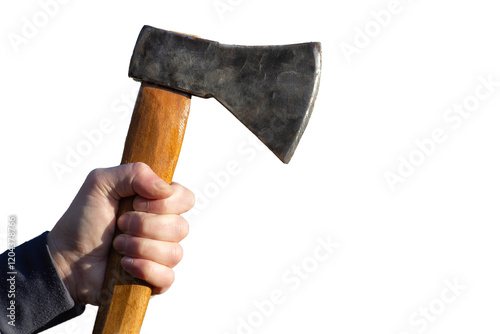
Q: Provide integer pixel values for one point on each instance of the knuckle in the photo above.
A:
(164, 281)
(98, 179)
(192, 198)
(169, 277)
(95, 176)
(181, 227)
(176, 253)
(138, 167)
(182, 199)
(188, 200)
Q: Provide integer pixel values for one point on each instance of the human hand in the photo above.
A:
(79, 243)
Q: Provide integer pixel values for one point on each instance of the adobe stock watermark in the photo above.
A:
(363, 36)
(121, 109)
(34, 23)
(222, 7)
(11, 270)
(453, 118)
(292, 279)
(420, 320)
(246, 152)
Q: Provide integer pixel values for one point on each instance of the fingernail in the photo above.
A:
(124, 222)
(161, 185)
(120, 243)
(127, 262)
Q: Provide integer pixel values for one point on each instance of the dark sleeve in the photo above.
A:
(33, 297)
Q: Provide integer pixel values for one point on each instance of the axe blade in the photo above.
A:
(270, 89)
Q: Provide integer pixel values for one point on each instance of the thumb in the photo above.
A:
(128, 180)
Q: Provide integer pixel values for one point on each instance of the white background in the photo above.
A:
(397, 248)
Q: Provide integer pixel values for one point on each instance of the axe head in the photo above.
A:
(270, 89)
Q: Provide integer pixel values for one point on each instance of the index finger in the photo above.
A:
(180, 201)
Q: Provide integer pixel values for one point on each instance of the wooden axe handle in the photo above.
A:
(155, 138)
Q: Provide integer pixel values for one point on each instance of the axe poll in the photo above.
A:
(270, 89)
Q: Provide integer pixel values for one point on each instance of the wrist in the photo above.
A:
(62, 266)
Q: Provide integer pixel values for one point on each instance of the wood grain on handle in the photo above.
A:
(155, 138)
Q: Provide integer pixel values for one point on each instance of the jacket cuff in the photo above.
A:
(35, 293)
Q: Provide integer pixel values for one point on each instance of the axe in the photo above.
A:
(270, 89)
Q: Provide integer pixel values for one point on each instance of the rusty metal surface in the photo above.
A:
(270, 89)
